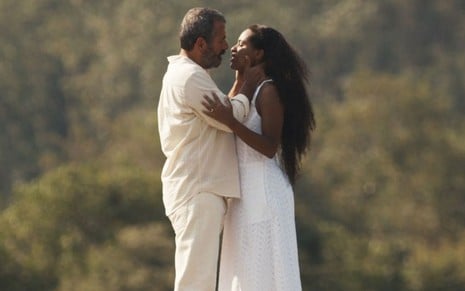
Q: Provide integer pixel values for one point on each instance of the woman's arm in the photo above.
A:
(271, 111)
(237, 85)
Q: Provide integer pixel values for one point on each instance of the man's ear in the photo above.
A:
(201, 43)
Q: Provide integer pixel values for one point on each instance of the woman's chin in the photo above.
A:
(234, 67)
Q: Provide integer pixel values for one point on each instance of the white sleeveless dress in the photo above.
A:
(259, 251)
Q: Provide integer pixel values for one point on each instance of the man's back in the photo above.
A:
(201, 154)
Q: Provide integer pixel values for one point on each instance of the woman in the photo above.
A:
(259, 249)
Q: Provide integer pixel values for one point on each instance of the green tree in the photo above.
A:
(59, 227)
(383, 186)
(384, 176)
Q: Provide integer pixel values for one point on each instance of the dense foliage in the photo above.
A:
(380, 204)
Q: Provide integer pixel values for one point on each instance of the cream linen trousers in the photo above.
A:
(197, 226)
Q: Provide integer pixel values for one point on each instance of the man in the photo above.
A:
(201, 168)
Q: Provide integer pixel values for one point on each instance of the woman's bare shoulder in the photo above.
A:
(268, 97)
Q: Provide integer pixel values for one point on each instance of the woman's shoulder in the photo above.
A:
(268, 92)
(268, 97)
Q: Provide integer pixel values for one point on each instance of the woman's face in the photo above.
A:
(244, 48)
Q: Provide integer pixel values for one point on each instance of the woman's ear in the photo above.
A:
(259, 55)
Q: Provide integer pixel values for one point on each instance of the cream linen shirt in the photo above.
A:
(201, 153)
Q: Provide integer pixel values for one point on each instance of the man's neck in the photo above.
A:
(191, 55)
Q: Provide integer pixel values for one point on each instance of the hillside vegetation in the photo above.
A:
(380, 204)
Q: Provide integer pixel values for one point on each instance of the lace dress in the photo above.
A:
(259, 251)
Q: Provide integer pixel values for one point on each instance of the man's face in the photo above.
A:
(211, 55)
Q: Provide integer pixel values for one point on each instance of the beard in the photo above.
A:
(210, 59)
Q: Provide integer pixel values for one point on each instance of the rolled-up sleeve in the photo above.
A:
(241, 107)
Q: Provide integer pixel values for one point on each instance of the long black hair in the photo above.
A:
(289, 73)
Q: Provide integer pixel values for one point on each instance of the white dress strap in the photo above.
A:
(255, 94)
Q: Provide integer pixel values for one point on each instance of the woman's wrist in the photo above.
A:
(240, 77)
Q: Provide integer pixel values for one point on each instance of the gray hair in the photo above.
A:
(198, 22)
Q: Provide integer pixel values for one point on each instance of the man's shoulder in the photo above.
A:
(182, 67)
(181, 62)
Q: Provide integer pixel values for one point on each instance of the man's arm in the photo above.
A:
(271, 110)
(200, 84)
